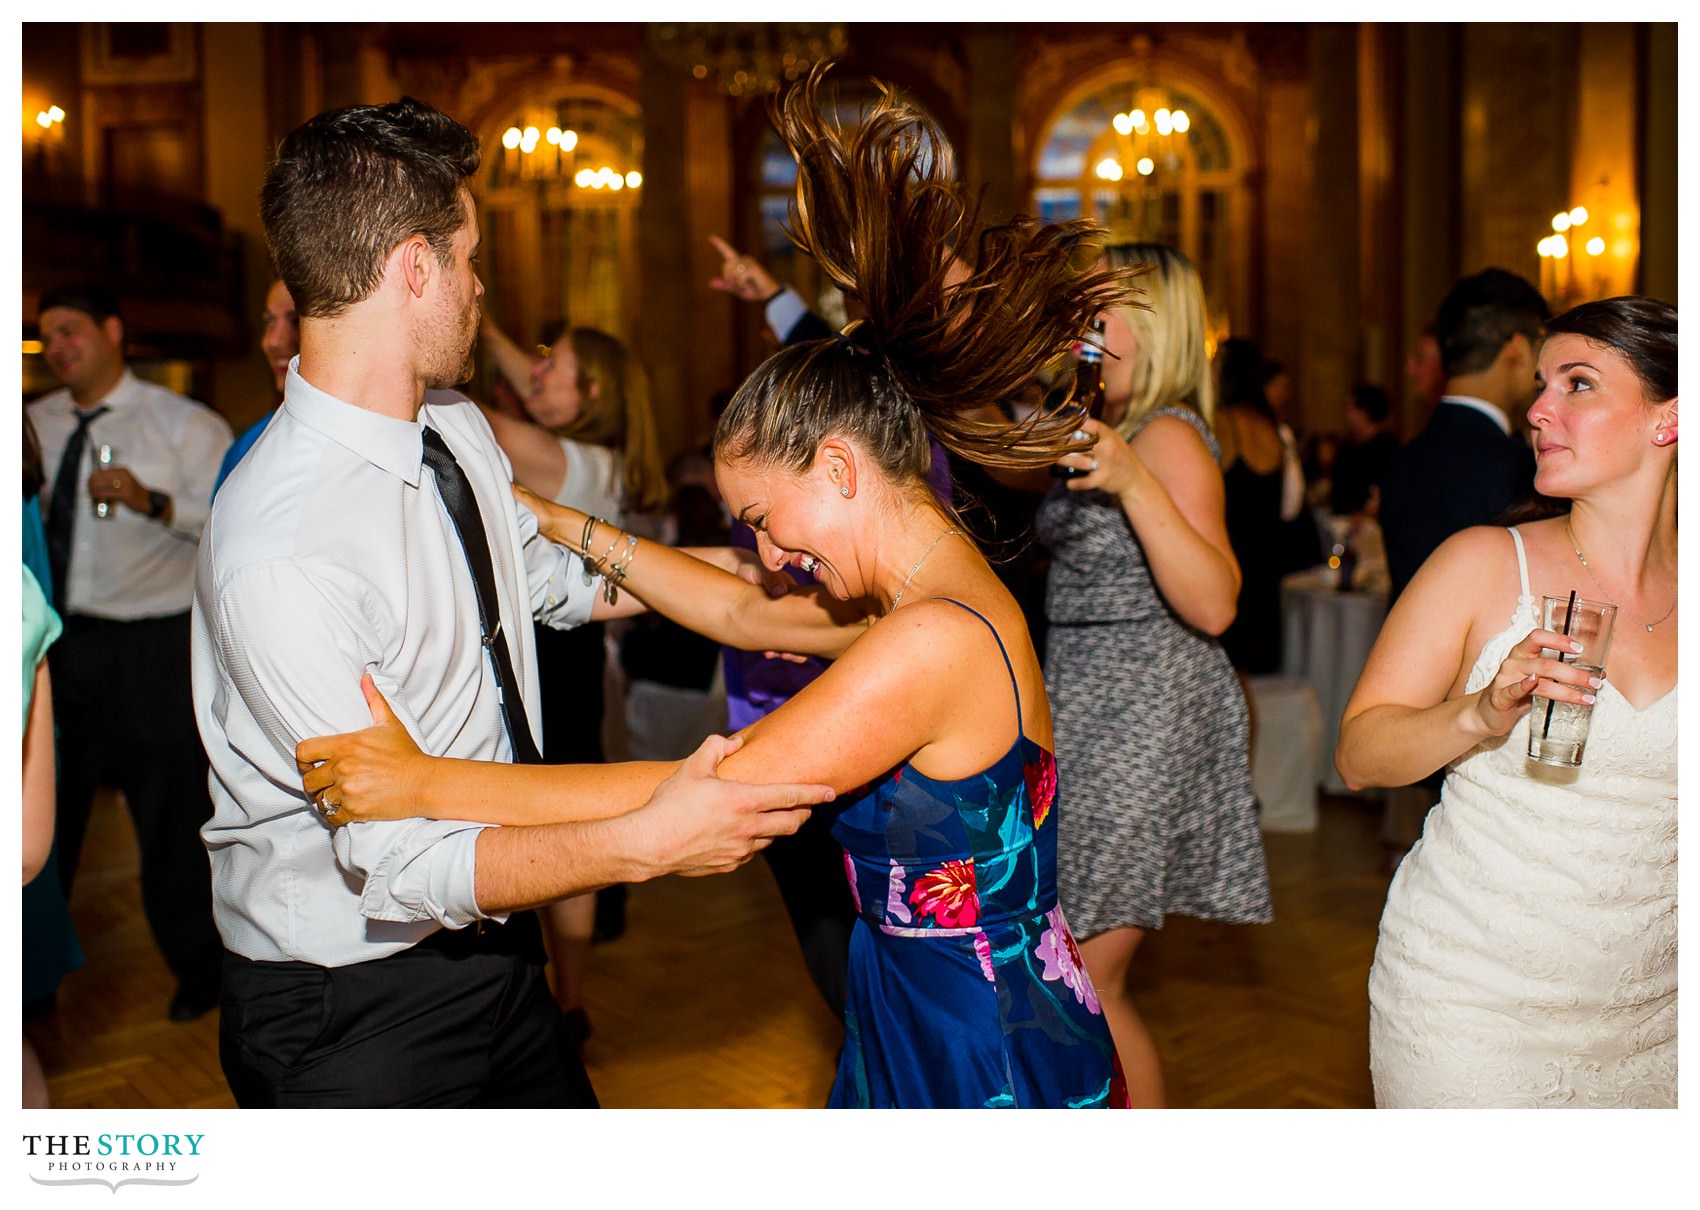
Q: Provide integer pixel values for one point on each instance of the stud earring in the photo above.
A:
(1660, 438)
(844, 491)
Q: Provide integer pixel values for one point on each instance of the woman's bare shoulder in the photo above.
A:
(1468, 588)
(1475, 550)
(1168, 437)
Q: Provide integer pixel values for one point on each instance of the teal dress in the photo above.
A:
(50, 949)
(41, 627)
(965, 988)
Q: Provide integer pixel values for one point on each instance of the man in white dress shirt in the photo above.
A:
(121, 544)
(369, 964)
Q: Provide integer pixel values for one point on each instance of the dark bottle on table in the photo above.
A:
(1088, 393)
(1348, 566)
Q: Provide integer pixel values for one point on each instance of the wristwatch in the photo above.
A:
(158, 502)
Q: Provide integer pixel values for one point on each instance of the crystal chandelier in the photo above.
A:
(529, 160)
(1151, 137)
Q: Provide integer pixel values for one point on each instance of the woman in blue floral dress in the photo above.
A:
(955, 884)
(965, 987)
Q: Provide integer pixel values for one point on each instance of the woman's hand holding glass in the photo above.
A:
(358, 776)
(1525, 669)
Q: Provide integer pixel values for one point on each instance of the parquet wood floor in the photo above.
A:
(704, 1003)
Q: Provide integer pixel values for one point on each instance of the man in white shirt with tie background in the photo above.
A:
(123, 577)
(371, 529)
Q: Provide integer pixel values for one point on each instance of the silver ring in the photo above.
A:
(327, 808)
(1091, 465)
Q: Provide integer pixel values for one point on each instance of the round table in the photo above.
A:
(1326, 637)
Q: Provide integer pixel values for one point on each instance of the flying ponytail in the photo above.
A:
(954, 317)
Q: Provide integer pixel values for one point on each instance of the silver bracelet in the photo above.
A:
(590, 523)
(616, 575)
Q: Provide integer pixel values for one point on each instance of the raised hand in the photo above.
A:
(1506, 698)
(364, 775)
(741, 276)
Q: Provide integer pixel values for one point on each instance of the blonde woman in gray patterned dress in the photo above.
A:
(1151, 730)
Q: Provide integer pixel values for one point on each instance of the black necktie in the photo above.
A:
(456, 491)
(62, 505)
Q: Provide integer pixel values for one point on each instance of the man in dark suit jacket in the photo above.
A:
(1469, 465)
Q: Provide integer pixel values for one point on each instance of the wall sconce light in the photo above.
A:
(45, 138)
(1562, 277)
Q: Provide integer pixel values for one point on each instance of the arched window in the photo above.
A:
(1125, 157)
(562, 178)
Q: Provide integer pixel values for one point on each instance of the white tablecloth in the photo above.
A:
(1326, 637)
(1286, 752)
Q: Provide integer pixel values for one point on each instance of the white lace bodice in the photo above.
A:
(1528, 947)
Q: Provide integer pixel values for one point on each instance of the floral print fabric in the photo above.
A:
(965, 985)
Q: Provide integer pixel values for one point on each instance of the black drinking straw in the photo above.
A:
(1569, 612)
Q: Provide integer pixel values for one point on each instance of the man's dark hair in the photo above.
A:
(349, 185)
(1480, 313)
(95, 301)
(1372, 401)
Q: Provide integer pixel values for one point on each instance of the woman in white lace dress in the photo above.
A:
(1527, 953)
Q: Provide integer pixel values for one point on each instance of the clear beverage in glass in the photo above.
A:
(1558, 731)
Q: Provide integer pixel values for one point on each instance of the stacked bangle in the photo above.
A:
(584, 547)
(613, 574)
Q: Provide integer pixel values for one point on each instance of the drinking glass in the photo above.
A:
(1558, 731)
(104, 458)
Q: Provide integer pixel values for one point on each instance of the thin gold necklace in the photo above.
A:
(1602, 587)
(917, 567)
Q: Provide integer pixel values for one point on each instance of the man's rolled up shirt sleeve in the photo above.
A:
(426, 873)
(296, 642)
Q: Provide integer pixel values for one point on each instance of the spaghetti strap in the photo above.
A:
(1020, 729)
(1522, 566)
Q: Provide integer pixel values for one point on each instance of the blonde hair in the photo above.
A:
(618, 416)
(1172, 364)
(958, 317)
